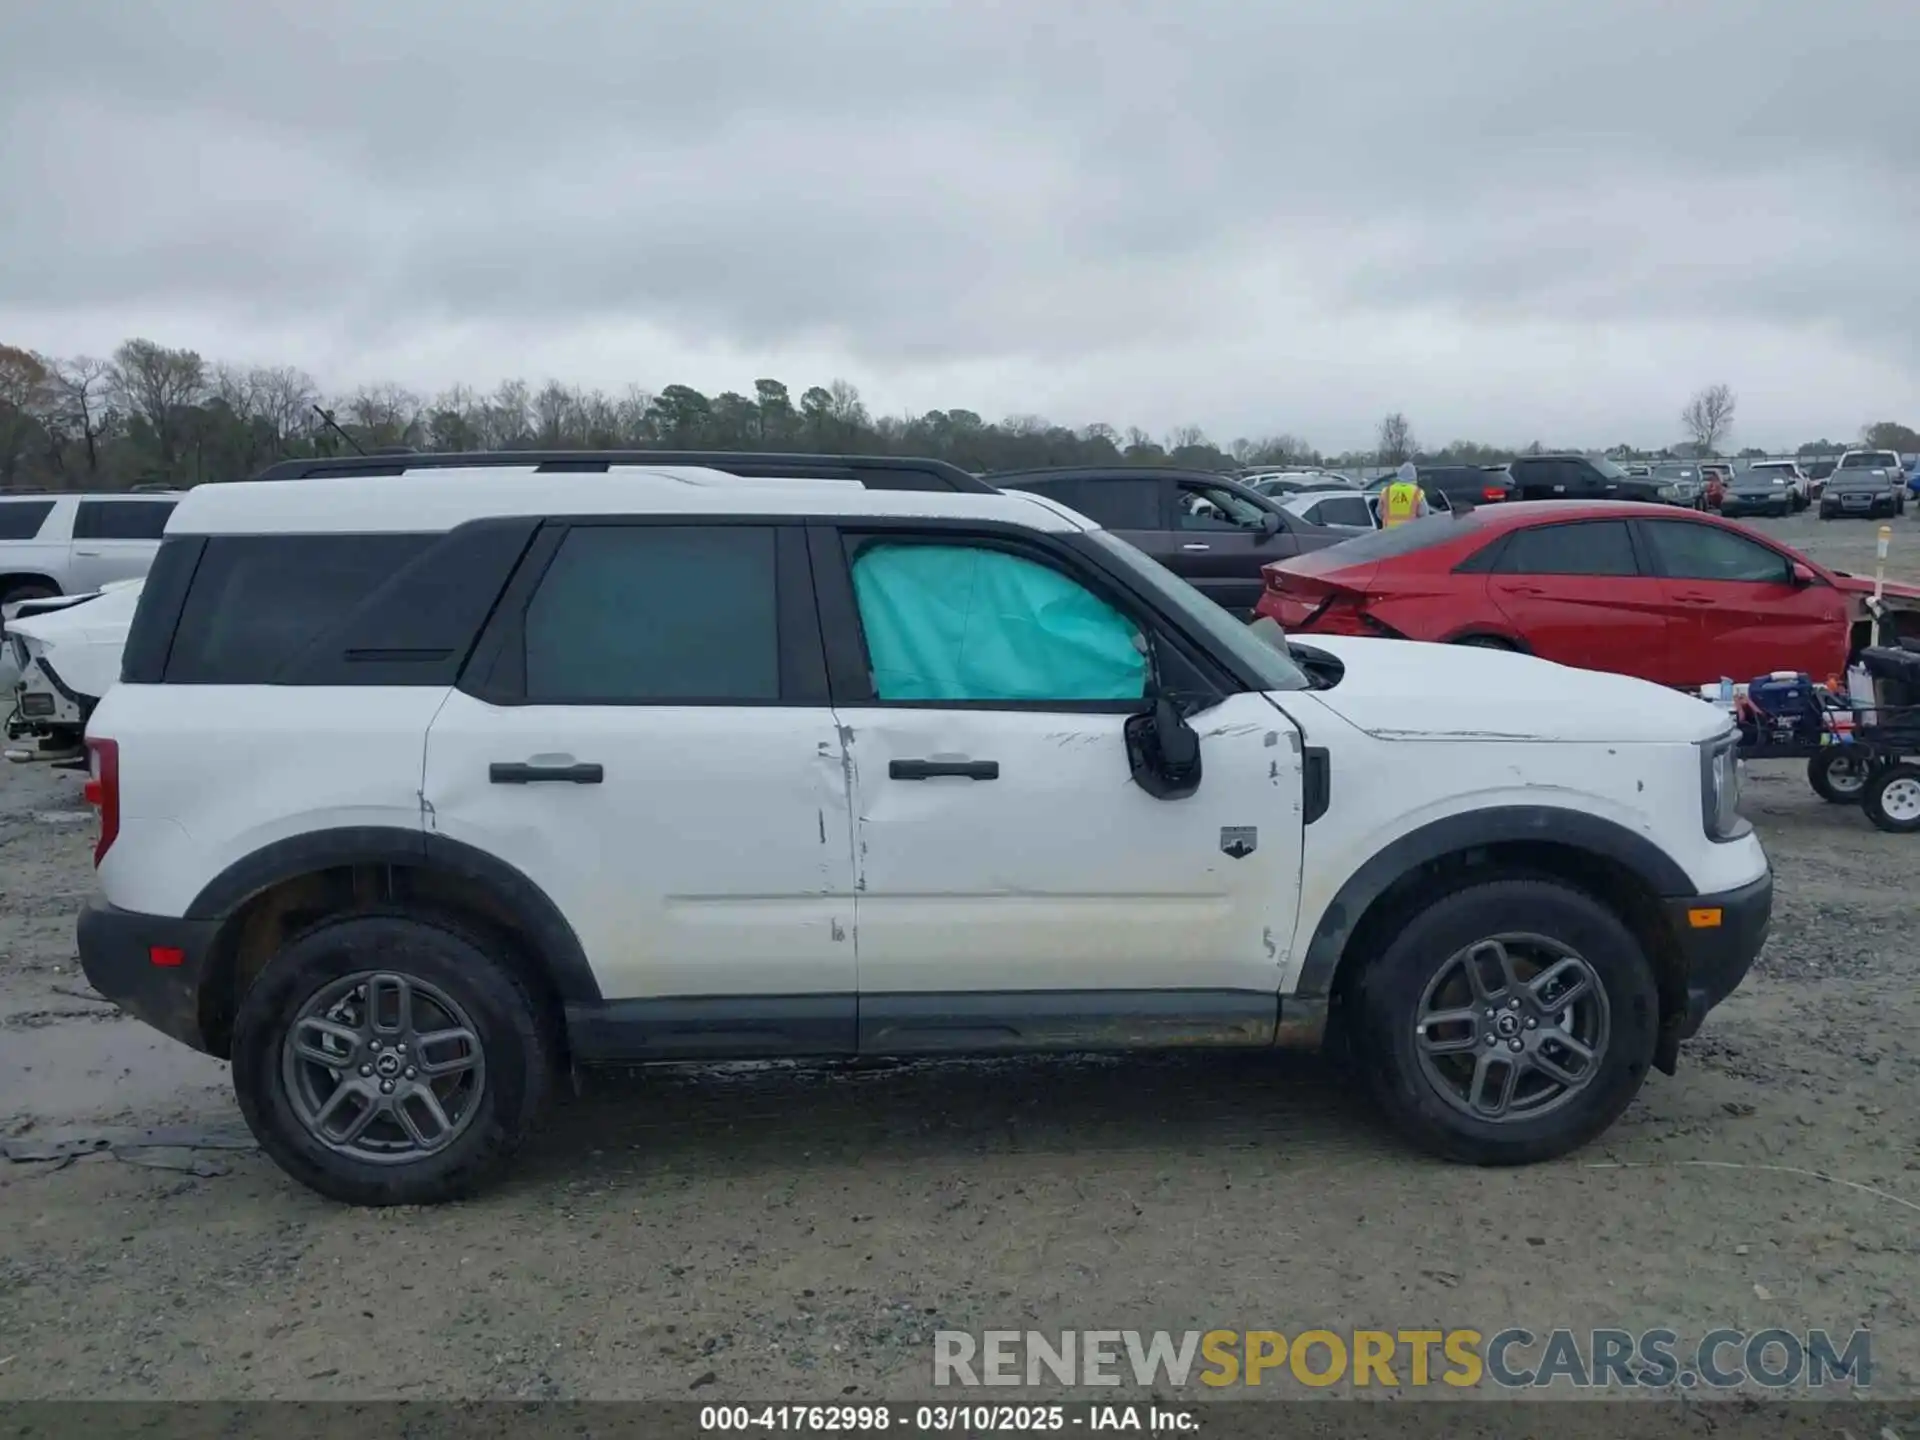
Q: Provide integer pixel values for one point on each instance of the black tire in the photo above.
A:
(1488, 642)
(1904, 781)
(514, 1041)
(28, 590)
(1391, 991)
(1853, 768)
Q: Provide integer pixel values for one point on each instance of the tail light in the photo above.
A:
(1492, 492)
(103, 792)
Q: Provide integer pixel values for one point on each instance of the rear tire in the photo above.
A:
(1438, 1090)
(1838, 775)
(1892, 799)
(1488, 642)
(28, 590)
(478, 1048)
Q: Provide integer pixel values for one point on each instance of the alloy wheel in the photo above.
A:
(1512, 1027)
(383, 1068)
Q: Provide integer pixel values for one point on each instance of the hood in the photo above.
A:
(83, 641)
(1409, 690)
(1863, 585)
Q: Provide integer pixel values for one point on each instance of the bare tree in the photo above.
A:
(387, 412)
(1396, 441)
(159, 386)
(1708, 418)
(284, 398)
(81, 389)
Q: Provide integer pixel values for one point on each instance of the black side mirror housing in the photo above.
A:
(1163, 751)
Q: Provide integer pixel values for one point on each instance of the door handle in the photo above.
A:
(513, 773)
(1196, 547)
(1525, 590)
(90, 554)
(929, 769)
(1694, 599)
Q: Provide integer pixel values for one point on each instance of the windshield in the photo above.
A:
(1869, 460)
(1673, 472)
(1275, 670)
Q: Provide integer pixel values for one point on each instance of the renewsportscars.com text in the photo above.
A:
(1460, 1358)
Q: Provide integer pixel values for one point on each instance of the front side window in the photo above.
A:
(960, 623)
(1214, 507)
(656, 614)
(1708, 552)
(1592, 547)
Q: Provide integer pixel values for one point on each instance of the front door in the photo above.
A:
(1574, 591)
(1220, 543)
(1735, 610)
(1014, 887)
(648, 740)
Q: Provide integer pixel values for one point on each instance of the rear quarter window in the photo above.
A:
(22, 519)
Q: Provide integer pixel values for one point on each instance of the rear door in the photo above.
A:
(644, 733)
(1576, 591)
(115, 539)
(1734, 608)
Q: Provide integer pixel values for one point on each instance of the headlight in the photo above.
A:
(1669, 492)
(1720, 787)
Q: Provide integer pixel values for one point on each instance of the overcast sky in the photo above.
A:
(1511, 219)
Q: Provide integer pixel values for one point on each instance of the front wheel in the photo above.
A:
(1892, 799)
(1508, 1023)
(386, 1059)
(1838, 774)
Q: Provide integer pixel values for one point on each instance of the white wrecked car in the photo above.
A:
(62, 655)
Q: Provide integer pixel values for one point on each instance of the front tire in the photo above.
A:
(1488, 642)
(1891, 799)
(389, 1059)
(1508, 1023)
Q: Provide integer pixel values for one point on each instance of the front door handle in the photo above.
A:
(1694, 599)
(930, 769)
(513, 773)
(1196, 547)
(1525, 590)
(90, 554)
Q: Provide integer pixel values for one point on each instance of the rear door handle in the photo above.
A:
(1525, 590)
(1694, 599)
(513, 773)
(930, 769)
(1196, 547)
(90, 554)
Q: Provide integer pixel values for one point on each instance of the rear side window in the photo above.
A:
(1119, 504)
(122, 519)
(258, 601)
(656, 614)
(22, 519)
(1592, 547)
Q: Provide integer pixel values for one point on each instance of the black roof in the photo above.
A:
(876, 472)
(1112, 472)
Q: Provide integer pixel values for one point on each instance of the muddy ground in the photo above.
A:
(799, 1232)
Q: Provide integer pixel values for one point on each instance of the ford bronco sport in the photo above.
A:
(418, 791)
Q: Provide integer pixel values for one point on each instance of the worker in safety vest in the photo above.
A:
(1404, 500)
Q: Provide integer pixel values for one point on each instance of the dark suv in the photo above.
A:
(1577, 477)
(1210, 530)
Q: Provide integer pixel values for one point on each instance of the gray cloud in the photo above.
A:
(1254, 216)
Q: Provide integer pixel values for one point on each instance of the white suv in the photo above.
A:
(416, 791)
(55, 544)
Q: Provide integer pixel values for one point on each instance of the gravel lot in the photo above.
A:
(761, 1232)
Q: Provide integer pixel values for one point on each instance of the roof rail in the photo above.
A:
(876, 472)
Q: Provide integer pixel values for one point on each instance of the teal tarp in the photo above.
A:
(951, 622)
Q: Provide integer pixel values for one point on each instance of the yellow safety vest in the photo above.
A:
(1402, 500)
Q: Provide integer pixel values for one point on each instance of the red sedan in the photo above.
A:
(1668, 595)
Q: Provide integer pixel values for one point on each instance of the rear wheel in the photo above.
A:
(1508, 1023)
(1839, 774)
(1487, 642)
(1892, 799)
(389, 1060)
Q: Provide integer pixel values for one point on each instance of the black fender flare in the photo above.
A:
(559, 948)
(1467, 831)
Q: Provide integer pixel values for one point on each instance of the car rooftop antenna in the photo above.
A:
(332, 424)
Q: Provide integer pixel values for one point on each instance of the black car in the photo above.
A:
(1463, 485)
(1578, 477)
(1759, 492)
(1866, 493)
(1210, 530)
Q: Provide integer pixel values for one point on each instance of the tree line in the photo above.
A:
(151, 414)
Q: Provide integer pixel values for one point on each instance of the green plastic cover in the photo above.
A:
(953, 622)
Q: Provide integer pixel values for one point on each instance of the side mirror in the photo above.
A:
(1803, 574)
(1269, 522)
(1163, 751)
